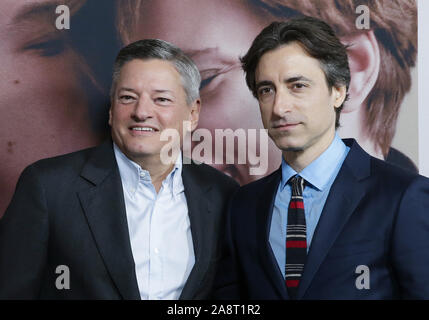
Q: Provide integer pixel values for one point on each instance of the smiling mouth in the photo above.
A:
(143, 129)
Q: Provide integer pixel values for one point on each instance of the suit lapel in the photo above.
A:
(104, 208)
(264, 213)
(344, 196)
(197, 193)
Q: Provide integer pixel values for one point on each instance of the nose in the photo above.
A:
(143, 109)
(282, 103)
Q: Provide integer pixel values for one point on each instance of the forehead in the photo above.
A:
(288, 60)
(150, 70)
(153, 75)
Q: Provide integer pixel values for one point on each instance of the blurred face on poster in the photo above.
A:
(216, 33)
(44, 109)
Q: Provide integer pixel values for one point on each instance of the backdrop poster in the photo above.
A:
(56, 62)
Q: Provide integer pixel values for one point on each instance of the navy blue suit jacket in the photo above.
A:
(376, 215)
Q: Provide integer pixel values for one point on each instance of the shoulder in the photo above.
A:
(401, 160)
(390, 173)
(412, 185)
(58, 166)
(51, 179)
(383, 177)
(396, 187)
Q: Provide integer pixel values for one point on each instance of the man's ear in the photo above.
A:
(110, 115)
(339, 95)
(364, 63)
(195, 113)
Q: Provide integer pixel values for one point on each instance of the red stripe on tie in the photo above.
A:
(296, 204)
(292, 283)
(296, 244)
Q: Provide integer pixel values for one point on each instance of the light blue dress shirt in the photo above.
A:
(319, 176)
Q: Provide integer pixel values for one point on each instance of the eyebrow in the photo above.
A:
(288, 80)
(127, 89)
(164, 91)
(34, 11)
(297, 78)
(213, 54)
(263, 83)
(194, 52)
(135, 91)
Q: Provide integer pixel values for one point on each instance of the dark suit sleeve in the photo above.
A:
(410, 248)
(24, 235)
(227, 282)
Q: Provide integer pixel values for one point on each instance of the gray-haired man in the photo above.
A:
(115, 221)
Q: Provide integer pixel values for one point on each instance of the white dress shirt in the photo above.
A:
(159, 229)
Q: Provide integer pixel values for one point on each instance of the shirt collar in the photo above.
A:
(319, 172)
(175, 176)
(131, 173)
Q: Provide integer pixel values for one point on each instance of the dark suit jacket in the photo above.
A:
(70, 210)
(376, 215)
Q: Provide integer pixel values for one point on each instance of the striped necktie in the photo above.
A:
(296, 237)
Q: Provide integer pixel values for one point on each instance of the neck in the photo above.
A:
(352, 127)
(157, 170)
(298, 160)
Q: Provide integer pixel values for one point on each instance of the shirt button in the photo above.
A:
(156, 250)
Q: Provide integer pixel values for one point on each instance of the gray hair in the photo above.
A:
(159, 49)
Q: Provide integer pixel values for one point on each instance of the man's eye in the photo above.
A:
(264, 91)
(208, 76)
(162, 100)
(47, 48)
(126, 98)
(299, 85)
(206, 81)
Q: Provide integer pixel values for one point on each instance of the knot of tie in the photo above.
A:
(297, 184)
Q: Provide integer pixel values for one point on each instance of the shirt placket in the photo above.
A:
(156, 268)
